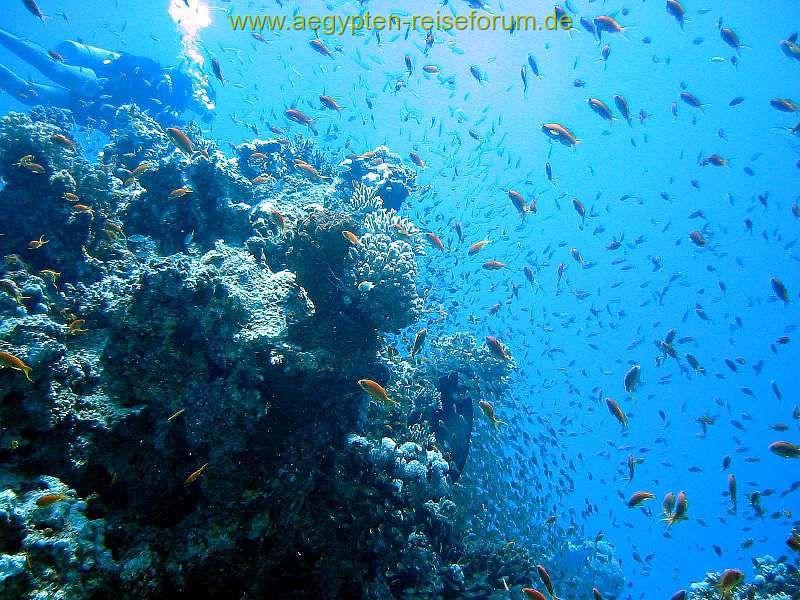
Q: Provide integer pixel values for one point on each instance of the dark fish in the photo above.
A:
(534, 65)
(622, 106)
(600, 108)
(632, 378)
(729, 36)
(588, 25)
(215, 66)
(34, 9)
(478, 74)
(780, 289)
(691, 100)
(676, 10)
(318, 45)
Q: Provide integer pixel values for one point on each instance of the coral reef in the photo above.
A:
(53, 548)
(774, 579)
(184, 335)
(382, 170)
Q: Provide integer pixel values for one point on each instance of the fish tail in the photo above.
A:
(27, 372)
(497, 422)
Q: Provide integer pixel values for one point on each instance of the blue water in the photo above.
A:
(634, 180)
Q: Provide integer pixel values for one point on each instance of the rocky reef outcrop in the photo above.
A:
(183, 334)
(773, 579)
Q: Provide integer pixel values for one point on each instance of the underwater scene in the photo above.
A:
(360, 299)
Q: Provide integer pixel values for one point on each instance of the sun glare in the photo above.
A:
(191, 17)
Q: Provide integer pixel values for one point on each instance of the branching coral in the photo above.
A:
(388, 222)
(364, 199)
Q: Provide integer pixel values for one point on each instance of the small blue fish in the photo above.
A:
(478, 74)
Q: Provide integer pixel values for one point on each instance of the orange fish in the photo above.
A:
(561, 134)
(329, 102)
(193, 476)
(62, 140)
(698, 239)
(15, 363)
(728, 581)
(300, 117)
(311, 171)
(615, 410)
(181, 140)
(497, 348)
(435, 240)
(494, 265)
(82, 208)
(545, 577)
(608, 24)
(533, 594)
(279, 218)
(681, 508)
(351, 237)
(144, 166)
(376, 390)
(76, 326)
(180, 192)
(638, 497)
(401, 230)
(715, 160)
(785, 449)
(477, 247)
(36, 244)
(49, 499)
(601, 108)
(488, 410)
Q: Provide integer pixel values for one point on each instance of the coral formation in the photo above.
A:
(774, 579)
(382, 170)
(195, 327)
(51, 547)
